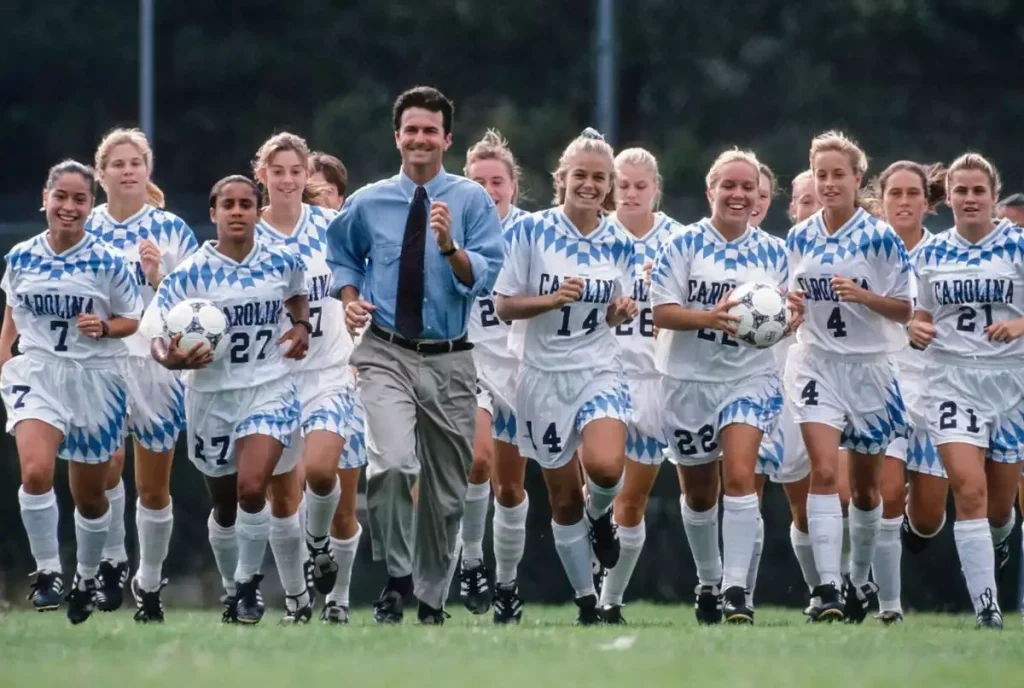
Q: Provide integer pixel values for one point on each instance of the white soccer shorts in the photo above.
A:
(976, 405)
(216, 420)
(86, 400)
(645, 441)
(917, 451)
(695, 413)
(858, 395)
(553, 408)
(156, 403)
(783, 456)
(330, 401)
(495, 388)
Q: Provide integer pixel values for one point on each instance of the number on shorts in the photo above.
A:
(219, 443)
(21, 391)
(551, 439)
(836, 323)
(590, 322)
(62, 337)
(529, 434)
(708, 335)
(947, 417)
(646, 318)
(316, 315)
(684, 443)
(487, 316)
(707, 435)
(240, 345)
(965, 323)
(809, 393)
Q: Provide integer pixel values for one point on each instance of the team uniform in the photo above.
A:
(249, 389)
(63, 378)
(156, 413)
(840, 373)
(645, 440)
(709, 379)
(326, 386)
(496, 365)
(783, 456)
(571, 370)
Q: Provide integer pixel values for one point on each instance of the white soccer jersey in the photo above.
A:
(329, 343)
(541, 250)
(251, 294)
(866, 250)
(966, 287)
(487, 332)
(910, 361)
(637, 336)
(169, 232)
(694, 269)
(47, 291)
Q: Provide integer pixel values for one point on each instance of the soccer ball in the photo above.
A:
(763, 314)
(197, 321)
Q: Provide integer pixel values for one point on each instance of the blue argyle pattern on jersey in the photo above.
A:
(503, 423)
(514, 214)
(756, 248)
(265, 262)
(643, 448)
(152, 224)
(862, 235)
(922, 457)
(880, 430)
(554, 233)
(1007, 242)
(91, 257)
(760, 410)
(616, 403)
(96, 443)
(159, 433)
(310, 238)
(279, 423)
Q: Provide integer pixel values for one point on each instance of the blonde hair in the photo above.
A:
(589, 141)
(839, 142)
(493, 146)
(280, 142)
(645, 160)
(976, 161)
(726, 157)
(806, 174)
(137, 139)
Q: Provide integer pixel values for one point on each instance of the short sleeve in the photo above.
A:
(794, 255)
(897, 271)
(514, 277)
(297, 278)
(125, 300)
(5, 283)
(630, 266)
(670, 272)
(186, 243)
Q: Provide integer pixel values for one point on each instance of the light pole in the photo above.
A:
(146, 67)
(606, 76)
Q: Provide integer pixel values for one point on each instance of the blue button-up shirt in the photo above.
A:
(364, 243)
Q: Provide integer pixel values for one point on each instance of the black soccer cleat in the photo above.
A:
(598, 572)
(46, 590)
(148, 606)
(334, 613)
(1002, 551)
(708, 605)
(323, 568)
(813, 609)
(831, 607)
(81, 599)
(248, 601)
(858, 600)
(734, 606)
(890, 617)
(475, 588)
(298, 610)
(989, 615)
(307, 571)
(604, 539)
(428, 616)
(589, 614)
(508, 606)
(389, 608)
(914, 543)
(229, 603)
(110, 582)
(611, 614)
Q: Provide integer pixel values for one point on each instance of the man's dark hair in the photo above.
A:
(1014, 201)
(427, 98)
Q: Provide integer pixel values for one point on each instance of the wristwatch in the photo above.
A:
(455, 247)
(105, 329)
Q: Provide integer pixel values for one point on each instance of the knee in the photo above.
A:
(699, 495)
(92, 504)
(630, 508)
(252, 492)
(865, 497)
(824, 478)
(321, 477)
(344, 523)
(736, 484)
(481, 468)
(971, 500)
(509, 496)
(566, 505)
(893, 496)
(152, 495)
(36, 477)
(225, 514)
(604, 467)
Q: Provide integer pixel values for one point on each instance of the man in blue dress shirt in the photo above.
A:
(417, 380)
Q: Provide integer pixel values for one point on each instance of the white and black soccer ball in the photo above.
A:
(197, 321)
(763, 314)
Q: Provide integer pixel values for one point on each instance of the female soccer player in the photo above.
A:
(329, 175)
(490, 163)
(719, 397)
(637, 194)
(904, 193)
(568, 273)
(70, 297)
(972, 323)
(153, 241)
(851, 278)
(332, 418)
(242, 408)
(804, 201)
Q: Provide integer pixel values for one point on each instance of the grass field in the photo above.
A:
(661, 646)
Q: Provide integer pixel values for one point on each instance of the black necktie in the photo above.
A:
(409, 306)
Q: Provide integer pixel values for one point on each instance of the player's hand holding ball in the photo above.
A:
(571, 289)
(177, 357)
(719, 317)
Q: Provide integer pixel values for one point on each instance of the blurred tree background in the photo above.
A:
(918, 79)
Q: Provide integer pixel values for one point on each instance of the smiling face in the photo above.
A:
(420, 137)
(636, 192)
(494, 176)
(836, 182)
(126, 174)
(587, 181)
(971, 198)
(734, 193)
(904, 203)
(764, 200)
(68, 203)
(235, 213)
(285, 177)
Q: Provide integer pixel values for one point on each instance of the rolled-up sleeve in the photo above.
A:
(348, 244)
(482, 244)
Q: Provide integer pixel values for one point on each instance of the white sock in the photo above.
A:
(253, 531)
(573, 546)
(113, 548)
(154, 526)
(844, 557)
(320, 513)
(702, 533)
(90, 534)
(631, 543)
(303, 512)
(1002, 532)
(977, 559)
(289, 553)
(801, 543)
(755, 560)
(474, 522)
(224, 543)
(825, 523)
(739, 530)
(885, 567)
(599, 499)
(864, 526)
(345, 554)
(509, 526)
(40, 516)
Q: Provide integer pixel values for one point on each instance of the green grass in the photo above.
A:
(661, 646)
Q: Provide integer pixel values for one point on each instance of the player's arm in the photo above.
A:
(672, 316)
(125, 301)
(897, 310)
(173, 357)
(115, 327)
(298, 336)
(8, 334)
(668, 293)
(511, 308)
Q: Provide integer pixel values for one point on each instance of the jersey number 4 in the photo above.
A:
(836, 323)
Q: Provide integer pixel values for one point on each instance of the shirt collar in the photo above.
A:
(433, 187)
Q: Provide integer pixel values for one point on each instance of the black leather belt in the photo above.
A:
(423, 346)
